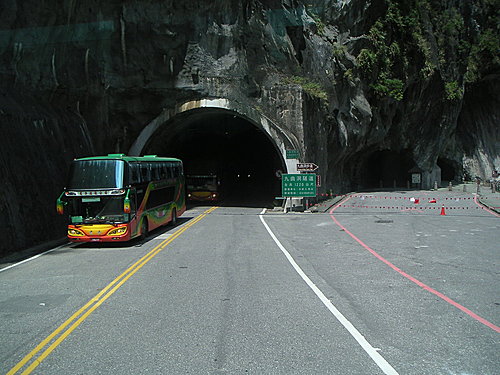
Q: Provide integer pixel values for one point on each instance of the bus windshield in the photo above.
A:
(96, 174)
(97, 210)
(201, 183)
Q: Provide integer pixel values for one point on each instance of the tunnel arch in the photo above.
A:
(243, 148)
(282, 138)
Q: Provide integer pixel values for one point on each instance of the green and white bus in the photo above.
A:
(118, 197)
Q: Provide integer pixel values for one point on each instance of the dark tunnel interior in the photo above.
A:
(448, 172)
(221, 143)
(386, 169)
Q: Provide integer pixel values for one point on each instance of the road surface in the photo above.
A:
(378, 284)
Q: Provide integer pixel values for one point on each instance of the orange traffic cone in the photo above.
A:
(443, 213)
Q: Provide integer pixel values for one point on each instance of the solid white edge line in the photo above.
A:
(370, 350)
(30, 259)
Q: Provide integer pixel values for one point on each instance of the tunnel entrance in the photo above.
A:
(447, 170)
(385, 169)
(219, 142)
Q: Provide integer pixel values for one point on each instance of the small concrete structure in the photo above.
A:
(421, 179)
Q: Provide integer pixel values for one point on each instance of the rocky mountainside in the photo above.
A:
(383, 86)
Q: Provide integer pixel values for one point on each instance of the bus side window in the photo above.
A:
(139, 197)
(154, 177)
(178, 170)
(163, 171)
(145, 172)
(160, 197)
(157, 171)
(135, 174)
(169, 170)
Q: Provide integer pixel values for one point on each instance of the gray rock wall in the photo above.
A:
(38, 141)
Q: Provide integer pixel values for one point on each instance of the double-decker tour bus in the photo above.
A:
(119, 197)
(202, 188)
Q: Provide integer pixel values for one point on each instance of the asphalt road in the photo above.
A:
(367, 287)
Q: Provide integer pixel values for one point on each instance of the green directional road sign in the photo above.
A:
(292, 154)
(298, 185)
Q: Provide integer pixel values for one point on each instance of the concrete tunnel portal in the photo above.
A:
(214, 141)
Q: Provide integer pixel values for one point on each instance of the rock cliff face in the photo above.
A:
(365, 89)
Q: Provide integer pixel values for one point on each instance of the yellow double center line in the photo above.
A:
(63, 331)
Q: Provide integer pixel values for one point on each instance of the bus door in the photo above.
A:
(133, 209)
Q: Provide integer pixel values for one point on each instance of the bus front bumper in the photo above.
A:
(98, 233)
(203, 196)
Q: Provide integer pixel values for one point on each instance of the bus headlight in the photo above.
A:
(117, 231)
(75, 232)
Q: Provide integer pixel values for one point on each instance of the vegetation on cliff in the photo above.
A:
(310, 87)
(458, 41)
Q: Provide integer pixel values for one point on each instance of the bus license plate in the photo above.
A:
(95, 239)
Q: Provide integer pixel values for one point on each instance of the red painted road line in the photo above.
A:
(370, 196)
(406, 208)
(486, 208)
(412, 279)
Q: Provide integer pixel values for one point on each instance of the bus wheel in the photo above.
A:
(144, 228)
(173, 222)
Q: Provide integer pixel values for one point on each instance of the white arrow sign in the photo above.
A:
(306, 167)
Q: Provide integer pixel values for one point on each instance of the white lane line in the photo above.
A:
(370, 350)
(32, 258)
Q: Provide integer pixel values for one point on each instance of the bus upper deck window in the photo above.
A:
(145, 172)
(135, 173)
(163, 171)
(156, 171)
(171, 172)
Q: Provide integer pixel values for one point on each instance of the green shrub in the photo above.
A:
(453, 91)
(312, 88)
(339, 50)
(391, 87)
(349, 75)
(366, 60)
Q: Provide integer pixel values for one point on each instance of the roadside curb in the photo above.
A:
(329, 203)
(21, 255)
(483, 201)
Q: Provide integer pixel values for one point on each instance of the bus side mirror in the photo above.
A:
(60, 206)
(126, 205)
